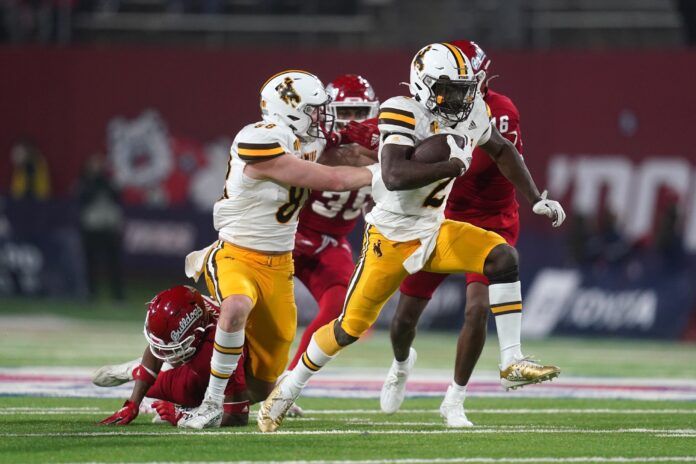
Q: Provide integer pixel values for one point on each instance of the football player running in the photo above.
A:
(406, 229)
(249, 269)
(485, 198)
(323, 256)
(180, 331)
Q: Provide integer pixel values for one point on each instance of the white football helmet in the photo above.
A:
(443, 80)
(298, 100)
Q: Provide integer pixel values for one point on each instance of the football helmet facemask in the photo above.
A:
(352, 99)
(298, 100)
(175, 323)
(443, 80)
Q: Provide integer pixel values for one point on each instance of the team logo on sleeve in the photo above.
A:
(288, 93)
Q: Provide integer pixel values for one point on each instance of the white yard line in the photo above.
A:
(463, 460)
(678, 433)
(512, 411)
(504, 411)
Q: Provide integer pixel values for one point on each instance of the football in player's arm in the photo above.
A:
(484, 197)
(407, 232)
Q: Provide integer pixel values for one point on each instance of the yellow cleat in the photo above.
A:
(274, 409)
(526, 371)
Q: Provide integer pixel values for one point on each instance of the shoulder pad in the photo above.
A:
(398, 114)
(263, 141)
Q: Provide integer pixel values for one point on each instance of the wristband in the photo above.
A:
(144, 374)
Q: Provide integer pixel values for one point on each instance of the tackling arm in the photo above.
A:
(348, 155)
(144, 379)
(399, 172)
(290, 170)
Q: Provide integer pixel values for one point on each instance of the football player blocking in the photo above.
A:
(484, 198)
(250, 268)
(406, 230)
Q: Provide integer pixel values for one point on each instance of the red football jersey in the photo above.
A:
(335, 213)
(483, 194)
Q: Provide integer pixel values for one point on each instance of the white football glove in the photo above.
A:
(462, 154)
(551, 209)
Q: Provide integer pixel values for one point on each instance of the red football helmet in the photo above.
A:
(479, 60)
(175, 323)
(352, 99)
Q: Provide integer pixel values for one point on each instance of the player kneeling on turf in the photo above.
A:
(180, 331)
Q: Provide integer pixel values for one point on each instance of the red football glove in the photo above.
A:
(123, 416)
(168, 411)
(363, 134)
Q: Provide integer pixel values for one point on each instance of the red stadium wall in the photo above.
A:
(634, 106)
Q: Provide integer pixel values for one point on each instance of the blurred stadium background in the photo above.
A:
(117, 117)
(115, 122)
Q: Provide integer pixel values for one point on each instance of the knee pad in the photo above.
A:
(342, 327)
(510, 274)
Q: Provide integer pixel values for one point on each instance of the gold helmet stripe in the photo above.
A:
(283, 72)
(459, 58)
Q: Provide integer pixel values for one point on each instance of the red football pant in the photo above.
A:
(326, 275)
(330, 307)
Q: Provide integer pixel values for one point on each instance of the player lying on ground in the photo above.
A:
(180, 331)
(485, 198)
(323, 255)
(249, 269)
(407, 231)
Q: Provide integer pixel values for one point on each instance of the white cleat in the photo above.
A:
(394, 388)
(295, 411)
(115, 375)
(207, 415)
(454, 415)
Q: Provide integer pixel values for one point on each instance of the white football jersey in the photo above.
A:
(417, 214)
(262, 214)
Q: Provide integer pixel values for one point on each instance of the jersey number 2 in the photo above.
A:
(433, 200)
(296, 198)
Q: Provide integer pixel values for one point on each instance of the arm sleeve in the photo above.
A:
(508, 118)
(514, 132)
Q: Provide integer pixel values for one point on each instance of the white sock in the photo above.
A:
(228, 349)
(455, 393)
(509, 327)
(402, 365)
(312, 360)
(506, 305)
